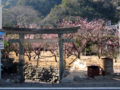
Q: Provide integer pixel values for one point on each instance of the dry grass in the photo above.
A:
(46, 62)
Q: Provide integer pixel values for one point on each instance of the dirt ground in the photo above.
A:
(48, 61)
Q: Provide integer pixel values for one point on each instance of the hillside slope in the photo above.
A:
(50, 11)
(84, 8)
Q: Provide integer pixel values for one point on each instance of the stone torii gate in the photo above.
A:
(21, 40)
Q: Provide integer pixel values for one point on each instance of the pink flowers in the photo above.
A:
(89, 32)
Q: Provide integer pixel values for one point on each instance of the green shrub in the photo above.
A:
(11, 68)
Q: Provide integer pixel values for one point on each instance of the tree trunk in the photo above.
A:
(99, 52)
(75, 58)
(79, 55)
(64, 64)
(29, 56)
(38, 53)
(17, 52)
(73, 61)
(38, 61)
(55, 58)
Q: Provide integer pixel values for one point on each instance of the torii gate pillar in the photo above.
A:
(21, 55)
(60, 56)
